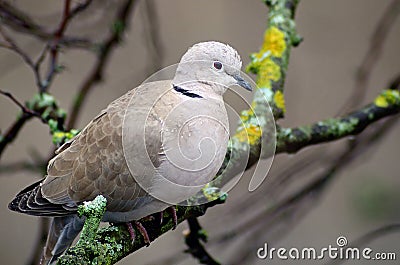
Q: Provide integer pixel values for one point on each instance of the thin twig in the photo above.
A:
(152, 36)
(97, 72)
(12, 45)
(22, 166)
(54, 46)
(290, 209)
(21, 106)
(13, 131)
(21, 22)
(196, 248)
(372, 55)
(80, 7)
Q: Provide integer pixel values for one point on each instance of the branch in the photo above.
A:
(271, 62)
(24, 166)
(280, 36)
(96, 75)
(44, 106)
(196, 248)
(54, 46)
(271, 67)
(12, 45)
(22, 107)
(13, 131)
(377, 42)
(292, 140)
(152, 36)
(21, 22)
(113, 243)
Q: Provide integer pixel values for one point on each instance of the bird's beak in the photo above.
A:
(243, 83)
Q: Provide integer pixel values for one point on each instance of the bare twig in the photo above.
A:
(13, 131)
(13, 46)
(80, 7)
(196, 248)
(282, 214)
(20, 166)
(21, 106)
(152, 34)
(96, 75)
(19, 21)
(54, 46)
(289, 210)
(372, 55)
(333, 129)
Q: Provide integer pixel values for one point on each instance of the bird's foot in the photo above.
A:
(141, 229)
(172, 211)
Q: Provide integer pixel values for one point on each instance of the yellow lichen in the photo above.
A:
(246, 114)
(250, 134)
(279, 100)
(60, 136)
(262, 64)
(387, 97)
(269, 71)
(274, 41)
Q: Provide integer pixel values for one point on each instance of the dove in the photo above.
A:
(151, 148)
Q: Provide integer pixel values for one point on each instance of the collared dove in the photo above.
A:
(111, 157)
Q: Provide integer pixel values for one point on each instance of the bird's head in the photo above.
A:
(213, 63)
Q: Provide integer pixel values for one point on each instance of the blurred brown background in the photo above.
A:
(320, 78)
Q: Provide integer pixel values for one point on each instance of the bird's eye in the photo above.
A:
(217, 65)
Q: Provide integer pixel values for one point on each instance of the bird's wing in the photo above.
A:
(93, 162)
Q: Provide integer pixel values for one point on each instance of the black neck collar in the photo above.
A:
(186, 92)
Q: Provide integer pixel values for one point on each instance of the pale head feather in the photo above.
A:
(197, 66)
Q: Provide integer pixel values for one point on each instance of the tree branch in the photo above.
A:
(113, 243)
(378, 38)
(292, 140)
(270, 64)
(54, 46)
(196, 248)
(21, 106)
(96, 75)
(23, 23)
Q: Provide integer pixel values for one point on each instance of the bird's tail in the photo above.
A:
(62, 233)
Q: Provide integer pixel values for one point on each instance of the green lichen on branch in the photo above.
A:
(270, 64)
(45, 107)
(291, 140)
(110, 244)
(388, 97)
(88, 250)
(255, 135)
(48, 108)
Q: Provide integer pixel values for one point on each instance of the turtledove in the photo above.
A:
(170, 133)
